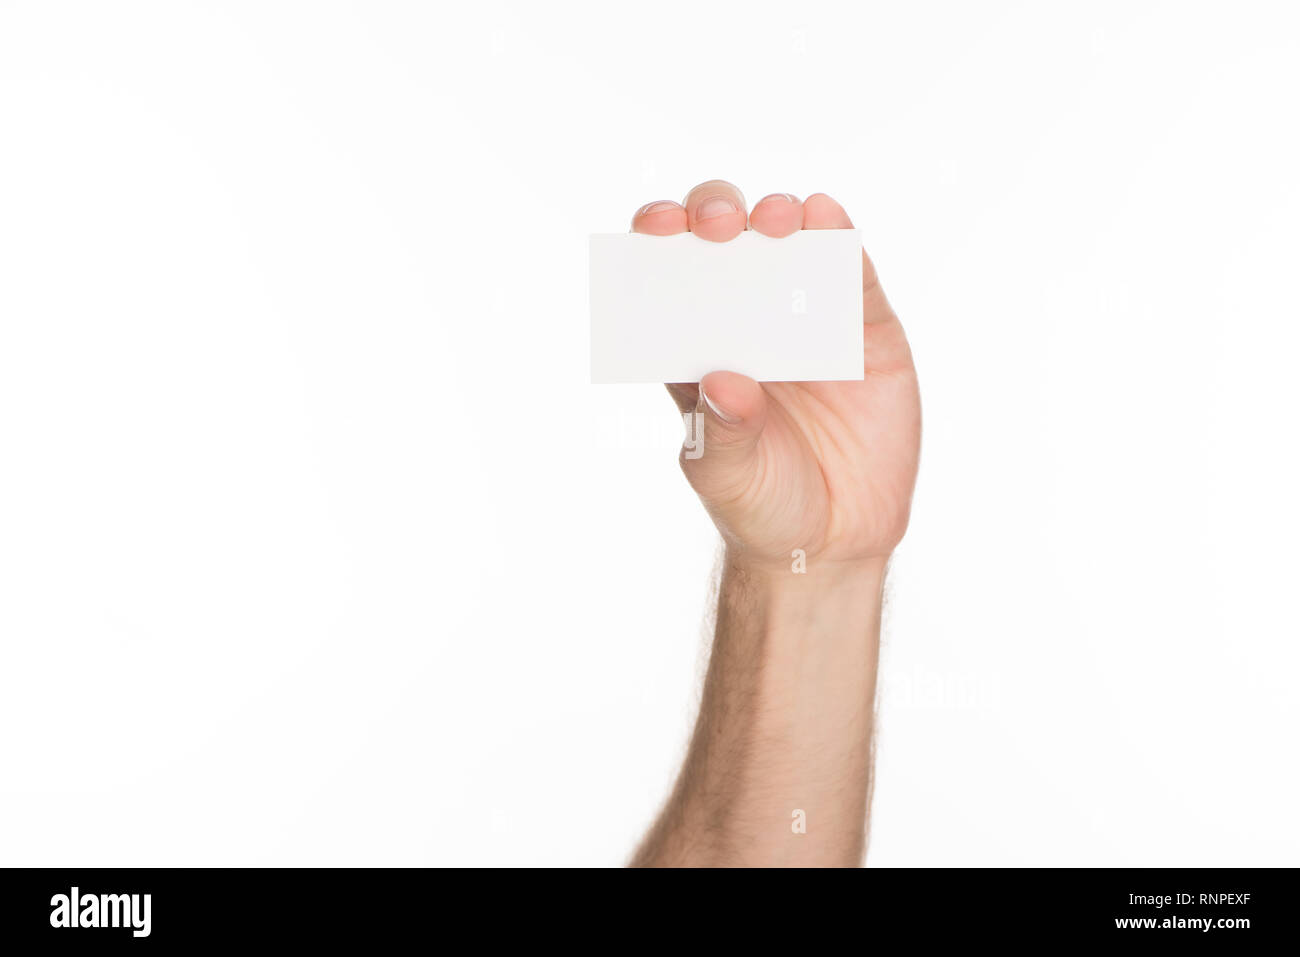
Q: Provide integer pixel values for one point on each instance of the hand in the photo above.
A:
(826, 467)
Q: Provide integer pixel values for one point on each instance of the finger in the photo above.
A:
(777, 215)
(665, 218)
(660, 218)
(733, 409)
(884, 343)
(822, 212)
(685, 394)
(716, 211)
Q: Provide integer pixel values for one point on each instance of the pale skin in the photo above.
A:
(827, 468)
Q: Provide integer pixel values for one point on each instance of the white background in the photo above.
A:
(317, 547)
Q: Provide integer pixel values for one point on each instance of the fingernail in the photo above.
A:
(788, 197)
(656, 207)
(714, 207)
(718, 410)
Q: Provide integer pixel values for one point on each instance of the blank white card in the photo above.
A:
(672, 308)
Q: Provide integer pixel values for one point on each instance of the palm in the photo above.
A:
(846, 452)
(835, 462)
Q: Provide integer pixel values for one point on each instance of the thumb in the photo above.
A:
(732, 409)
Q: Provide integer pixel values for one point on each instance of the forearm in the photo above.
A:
(785, 724)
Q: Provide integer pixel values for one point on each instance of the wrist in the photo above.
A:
(806, 575)
(803, 624)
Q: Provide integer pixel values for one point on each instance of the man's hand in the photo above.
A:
(826, 467)
(779, 767)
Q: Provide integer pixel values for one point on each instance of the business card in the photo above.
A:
(673, 308)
